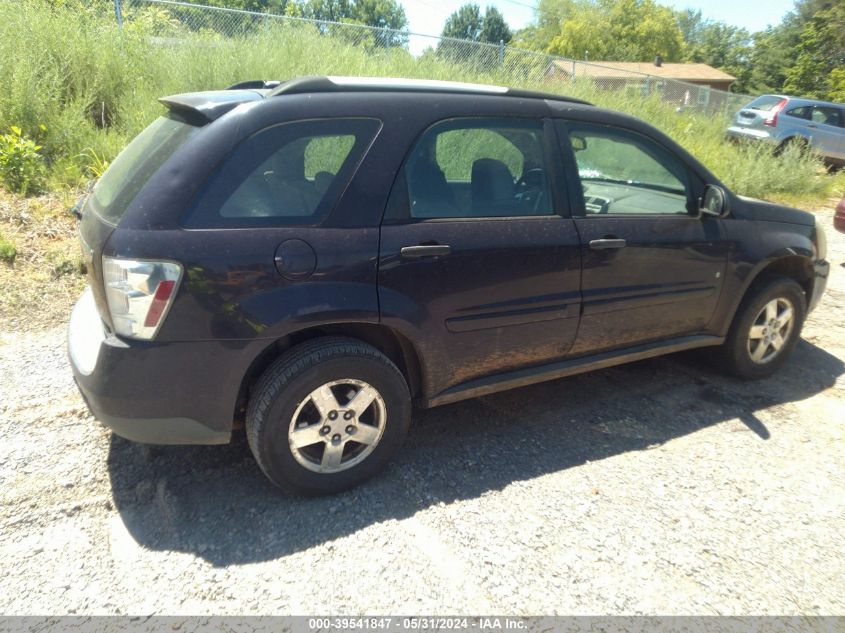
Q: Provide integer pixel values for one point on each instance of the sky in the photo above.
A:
(428, 16)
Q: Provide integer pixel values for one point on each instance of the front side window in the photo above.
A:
(291, 173)
(624, 173)
(473, 168)
(827, 115)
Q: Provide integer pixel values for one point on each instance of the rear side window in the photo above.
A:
(289, 174)
(804, 112)
(765, 103)
(136, 164)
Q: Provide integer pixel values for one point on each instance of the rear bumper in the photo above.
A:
(167, 393)
(736, 132)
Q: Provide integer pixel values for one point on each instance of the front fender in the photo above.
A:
(758, 246)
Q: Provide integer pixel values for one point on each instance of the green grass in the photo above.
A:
(8, 251)
(94, 87)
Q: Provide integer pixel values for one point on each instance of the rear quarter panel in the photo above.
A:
(232, 290)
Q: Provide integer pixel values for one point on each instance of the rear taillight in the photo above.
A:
(772, 119)
(139, 294)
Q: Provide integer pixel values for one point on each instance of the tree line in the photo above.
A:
(804, 54)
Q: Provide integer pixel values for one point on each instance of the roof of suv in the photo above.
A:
(213, 104)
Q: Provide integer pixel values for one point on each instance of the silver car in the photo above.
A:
(782, 120)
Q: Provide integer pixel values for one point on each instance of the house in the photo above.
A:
(685, 84)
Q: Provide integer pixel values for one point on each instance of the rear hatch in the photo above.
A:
(755, 113)
(106, 204)
(115, 190)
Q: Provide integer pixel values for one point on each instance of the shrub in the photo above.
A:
(21, 166)
(8, 251)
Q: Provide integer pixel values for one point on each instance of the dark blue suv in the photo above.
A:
(309, 258)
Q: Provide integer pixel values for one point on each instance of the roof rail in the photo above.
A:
(319, 83)
(255, 84)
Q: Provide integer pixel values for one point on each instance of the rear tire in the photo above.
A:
(302, 423)
(765, 329)
(799, 143)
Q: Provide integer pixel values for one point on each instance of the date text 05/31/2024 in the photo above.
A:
(416, 624)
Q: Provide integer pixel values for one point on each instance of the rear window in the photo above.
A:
(288, 174)
(765, 103)
(136, 164)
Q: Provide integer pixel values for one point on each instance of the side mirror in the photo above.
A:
(579, 143)
(714, 202)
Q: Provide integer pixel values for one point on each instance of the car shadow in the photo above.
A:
(215, 502)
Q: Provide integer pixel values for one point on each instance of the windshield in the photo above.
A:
(765, 103)
(136, 164)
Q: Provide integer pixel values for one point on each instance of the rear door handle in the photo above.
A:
(425, 250)
(607, 244)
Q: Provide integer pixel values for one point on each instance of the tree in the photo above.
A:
(819, 67)
(329, 10)
(691, 23)
(548, 17)
(258, 6)
(468, 24)
(719, 45)
(464, 24)
(200, 19)
(383, 14)
(804, 53)
(494, 29)
(630, 30)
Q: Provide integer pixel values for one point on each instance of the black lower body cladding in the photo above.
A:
(158, 393)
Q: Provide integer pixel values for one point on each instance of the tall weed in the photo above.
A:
(95, 87)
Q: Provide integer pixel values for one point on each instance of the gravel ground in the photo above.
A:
(660, 487)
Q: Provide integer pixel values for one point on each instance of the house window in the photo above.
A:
(703, 95)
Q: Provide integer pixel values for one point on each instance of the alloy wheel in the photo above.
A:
(771, 330)
(337, 426)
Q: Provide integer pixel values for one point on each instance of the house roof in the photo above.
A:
(622, 70)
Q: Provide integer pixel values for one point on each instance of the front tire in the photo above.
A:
(765, 329)
(327, 416)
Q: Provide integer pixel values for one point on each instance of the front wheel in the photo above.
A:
(766, 328)
(327, 416)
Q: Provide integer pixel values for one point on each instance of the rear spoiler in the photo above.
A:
(204, 107)
(255, 84)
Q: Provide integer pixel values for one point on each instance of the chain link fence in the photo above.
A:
(172, 22)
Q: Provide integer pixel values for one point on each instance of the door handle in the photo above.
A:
(425, 250)
(607, 244)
